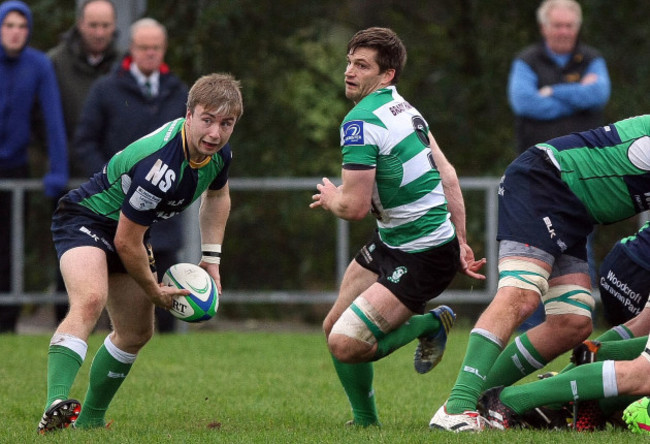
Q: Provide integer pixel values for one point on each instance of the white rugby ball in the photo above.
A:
(202, 303)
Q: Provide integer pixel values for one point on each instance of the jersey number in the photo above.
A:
(420, 128)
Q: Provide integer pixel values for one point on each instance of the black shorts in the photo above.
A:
(537, 208)
(414, 278)
(76, 226)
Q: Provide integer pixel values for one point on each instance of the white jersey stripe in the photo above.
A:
(415, 168)
(440, 236)
(409, 212)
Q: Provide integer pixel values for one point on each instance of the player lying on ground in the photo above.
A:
(613, 375)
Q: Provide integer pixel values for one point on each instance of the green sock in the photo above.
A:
(482, 351)
(519, 359)
(416, 326)
(583, 382)
(357, 382)
(622, 350)
(63, 364)
(614, 334)
(106, 376)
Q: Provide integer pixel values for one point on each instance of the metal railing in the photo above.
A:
(19, 188)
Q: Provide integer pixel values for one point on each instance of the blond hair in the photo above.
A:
(218, 92)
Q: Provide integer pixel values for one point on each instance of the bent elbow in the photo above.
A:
(121, 247)
(354, 214)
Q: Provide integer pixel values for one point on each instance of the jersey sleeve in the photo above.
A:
(361, 137)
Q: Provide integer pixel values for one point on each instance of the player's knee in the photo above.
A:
(513, 305)
(88, 307)
(354, 335)
(570, 329)
(582, 327)
(523, 283)
(523, 275)
(569, 308)
(346, 349)
(133, 341)
(527, 305)
(328, 324)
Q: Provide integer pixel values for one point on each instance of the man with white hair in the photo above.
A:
(558, 85)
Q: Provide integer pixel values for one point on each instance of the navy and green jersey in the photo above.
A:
(152, 178)
(607, 168)
(637, 246)
(383, 131)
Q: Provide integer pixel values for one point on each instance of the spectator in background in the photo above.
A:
(134, 100)
(85, 52)
(557, 86)
(26, 77)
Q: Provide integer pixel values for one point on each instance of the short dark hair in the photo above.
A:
(391, 52)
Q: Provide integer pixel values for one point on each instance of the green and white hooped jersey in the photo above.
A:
(383, 131)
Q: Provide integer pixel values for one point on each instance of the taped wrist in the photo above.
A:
(211, 253)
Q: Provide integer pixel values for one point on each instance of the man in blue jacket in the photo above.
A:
(26, 78)
(558, 85)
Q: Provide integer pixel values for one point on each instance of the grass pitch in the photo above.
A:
(249, 387)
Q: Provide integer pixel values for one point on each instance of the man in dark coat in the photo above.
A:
(86, 52)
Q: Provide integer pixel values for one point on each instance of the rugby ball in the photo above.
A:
(202, 303)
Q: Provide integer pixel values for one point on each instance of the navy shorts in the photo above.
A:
(76, 226)
(414, 278)
(624, 286)
(537, 208)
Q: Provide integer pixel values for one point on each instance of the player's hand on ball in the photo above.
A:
(165, 298)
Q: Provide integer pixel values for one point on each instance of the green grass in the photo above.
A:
(249, 387)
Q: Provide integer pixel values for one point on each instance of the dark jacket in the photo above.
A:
(75, 75)
(117, 113)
